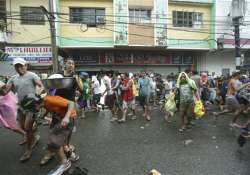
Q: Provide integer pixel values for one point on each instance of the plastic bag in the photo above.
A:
(170, 105)
(199, 109)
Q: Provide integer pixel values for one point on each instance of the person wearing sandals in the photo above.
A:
(62, 126)
(187, 90)
(23, 83)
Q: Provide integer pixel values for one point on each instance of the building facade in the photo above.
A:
(28, 34)
(132, 35)
(162, 36)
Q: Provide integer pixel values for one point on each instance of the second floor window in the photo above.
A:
(187, 19)
(89, 16)
(139, 15)
(32, 16)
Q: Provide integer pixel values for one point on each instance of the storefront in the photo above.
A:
(133, 61)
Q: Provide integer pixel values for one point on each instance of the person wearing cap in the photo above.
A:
(23, 83)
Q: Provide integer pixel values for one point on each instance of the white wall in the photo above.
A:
(216, 61)
(224, 23)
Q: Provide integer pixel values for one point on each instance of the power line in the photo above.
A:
(193, 31)
(167, 28)
(120, 16)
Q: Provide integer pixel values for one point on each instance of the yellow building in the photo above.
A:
(28, 33)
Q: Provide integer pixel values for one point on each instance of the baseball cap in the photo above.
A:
(19, 61)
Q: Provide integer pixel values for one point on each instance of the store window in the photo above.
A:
(187, 19)
(139, 15)
(88, 16)
(32, 16)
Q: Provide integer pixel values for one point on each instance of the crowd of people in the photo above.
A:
(23, 97)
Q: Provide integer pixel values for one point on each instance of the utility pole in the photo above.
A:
(237, 13)
(236, 22)
(51, 19)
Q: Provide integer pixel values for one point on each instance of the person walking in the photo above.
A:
(23, 83)
(187, 90)
(144, 93)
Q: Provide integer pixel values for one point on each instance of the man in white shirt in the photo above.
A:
(97, 92)
(110, 97)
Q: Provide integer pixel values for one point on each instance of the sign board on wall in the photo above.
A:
(121, 20)
(30, 54)
(160, 15)
(132, 58)
(91, 58)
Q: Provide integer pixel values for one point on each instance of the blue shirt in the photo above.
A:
(144, 86)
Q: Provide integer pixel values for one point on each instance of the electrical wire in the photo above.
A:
(120, 16)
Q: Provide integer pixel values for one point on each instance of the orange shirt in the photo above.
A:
(58, 105)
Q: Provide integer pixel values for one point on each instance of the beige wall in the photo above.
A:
(74, 30)
(26, 34)
(141, 30)
(141, 3)
(189, 35)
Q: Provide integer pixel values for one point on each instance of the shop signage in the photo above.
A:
(30, 54)
(86, 58)
(176, 59)
(132, 58)
(188, 60)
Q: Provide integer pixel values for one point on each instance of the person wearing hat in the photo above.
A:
(23, 83)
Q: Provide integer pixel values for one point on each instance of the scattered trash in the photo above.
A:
(142, 127)
(154, 172)
(214, 138)
(187, 142)
(216, 147)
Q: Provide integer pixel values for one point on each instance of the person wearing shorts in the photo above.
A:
(144, 93)
(23, 83)
(128, 98)
(97, 92)
(61, 126)
(110, 97)
(232, 104)
(188, 90)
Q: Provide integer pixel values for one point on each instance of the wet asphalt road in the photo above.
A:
(136, 147)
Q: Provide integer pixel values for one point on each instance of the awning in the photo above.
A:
(6, 69)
